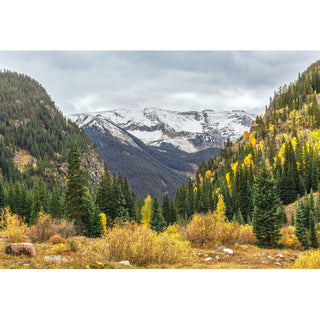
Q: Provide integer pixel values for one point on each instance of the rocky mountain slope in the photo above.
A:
(188, 131)
(158, 149)
(35, 136)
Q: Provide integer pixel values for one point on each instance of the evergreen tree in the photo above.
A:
(105, 197)
(238, 217)
(36, 203)
(95, 228)
(173, 215)
(76, 202)
(313, 239)
(301, 230)
(122, 213)
(56, 209)
(165, 208)
(266, 226)
(157, 222)
(282, 215)
(2, 196)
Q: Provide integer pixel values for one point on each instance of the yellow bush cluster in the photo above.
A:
(141, 246)
(12, 226)
(310, 260)
(208, 230)
(288, 237)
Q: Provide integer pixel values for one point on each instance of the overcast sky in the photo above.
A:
(87, 81)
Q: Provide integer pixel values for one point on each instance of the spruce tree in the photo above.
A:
(95, 228)
(76, 202)
(266, 226)
(2, 196)
(282, 215)
(157, 222)
(313, 239)
(36, 203)
(105, 198)
(301, 230)
(238, 217)
(165, 208)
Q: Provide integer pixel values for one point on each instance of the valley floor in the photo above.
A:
(89, 255)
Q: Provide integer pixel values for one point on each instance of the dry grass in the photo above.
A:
(145, 248)
(46, 227)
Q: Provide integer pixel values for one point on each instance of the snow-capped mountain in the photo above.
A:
(188, 131)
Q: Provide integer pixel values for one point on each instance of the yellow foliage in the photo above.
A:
(246, 235)
(294, 142)
(248, 160)
(261, 144)
(146, 211)
(314, 138)
(103, 219)
(142, 246)
(252, 139)
(281, 153)
(13, 226)
(245, 134)
(310, 260)
(195, 189)
(208, 230)
(221, 209)
(234, 168)
(228, 180)
(208, 174)
(288, 237)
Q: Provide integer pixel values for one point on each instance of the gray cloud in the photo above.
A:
(181, 80)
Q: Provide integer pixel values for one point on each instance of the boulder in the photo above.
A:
(208, 259)
(54, 258)
(125, 262)
(25, 248)
(228, 251)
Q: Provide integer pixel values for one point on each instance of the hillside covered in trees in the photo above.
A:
(282, 148)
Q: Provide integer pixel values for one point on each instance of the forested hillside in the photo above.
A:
(34, 141)
(282, 147)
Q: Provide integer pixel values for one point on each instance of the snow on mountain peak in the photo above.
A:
(189, 131)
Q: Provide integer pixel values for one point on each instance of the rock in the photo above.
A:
(270, 257)
(280, 255)
(208, 259)
(246, 247)
(205, 254)
(26, 265)
(21, 248)
(217, 257)
(278, 263)
(54, 258)
(228, 251)
(125, 262)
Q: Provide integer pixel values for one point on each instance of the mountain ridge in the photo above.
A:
(189, 131)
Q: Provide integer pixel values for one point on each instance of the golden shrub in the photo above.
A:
(310, 260)
(288, 237)
(209, 230)
(246, 235)
(46, 227)
(143, 246)
(55, 239)
(12, 226)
